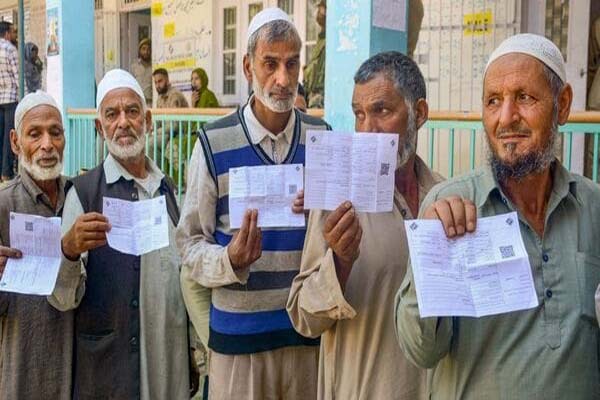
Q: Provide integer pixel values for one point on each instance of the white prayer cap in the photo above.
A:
(32, 100)
(264, 17)
(117, 79)
(535, 46)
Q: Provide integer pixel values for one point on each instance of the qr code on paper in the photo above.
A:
(385, 169)
(29, 226)
(507, 251)
(292, 189)
(157, 220)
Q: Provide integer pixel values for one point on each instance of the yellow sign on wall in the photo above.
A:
(181, 63)
(157, 9)
(169, 30)
(477, 23)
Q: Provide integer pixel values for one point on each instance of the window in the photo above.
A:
(312, 28)
(287, 6)
(229, 49)
(254, 9)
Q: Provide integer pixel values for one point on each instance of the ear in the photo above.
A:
(14, 142)
(565, 99)
(247, 68)
(99, 127)
(421, 112)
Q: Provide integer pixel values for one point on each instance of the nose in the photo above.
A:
(122, 121)
(46, 144)
(509, 114)
(282, 77)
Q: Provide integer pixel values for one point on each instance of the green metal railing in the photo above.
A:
(451, 139)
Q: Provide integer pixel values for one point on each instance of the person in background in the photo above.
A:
(202, 96)
(141, 69)
(32, 67)
(9, 86)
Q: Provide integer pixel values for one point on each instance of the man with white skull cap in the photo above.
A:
(36, 340)
(255, 353)
(131, 328)
(551, 351)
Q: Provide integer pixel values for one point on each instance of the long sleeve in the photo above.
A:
(424, 341)
(14, 65)
(197, 301)
(70, 284)
(316, 301)
(209, 262)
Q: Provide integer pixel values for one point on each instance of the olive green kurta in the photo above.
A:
(549, 352)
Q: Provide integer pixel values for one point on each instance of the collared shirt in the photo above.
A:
(173, 98)
(359, 356)
(205, 261)
(36, 344)
(549, 352)
(9, 72)
(143, 74)
(163, 321)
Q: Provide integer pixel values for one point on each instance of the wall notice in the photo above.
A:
(479, 23)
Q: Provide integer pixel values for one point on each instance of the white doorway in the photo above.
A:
(135, 26)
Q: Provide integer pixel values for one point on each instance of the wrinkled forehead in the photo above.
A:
(121, 97)
(514, 67)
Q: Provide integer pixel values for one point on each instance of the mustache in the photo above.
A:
(281, 91)
(125, 133)
(518, 129)
(53, 155)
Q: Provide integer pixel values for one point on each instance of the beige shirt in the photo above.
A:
(359, 356)
(143, 74)
(164, 346)
(173, 98)
(205, 263)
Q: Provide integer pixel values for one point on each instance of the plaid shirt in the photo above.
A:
(9, 72)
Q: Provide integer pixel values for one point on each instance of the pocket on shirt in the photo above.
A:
(588, 277)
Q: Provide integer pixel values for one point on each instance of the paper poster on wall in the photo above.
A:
(477, 23)
(52, 33)
(390, 14)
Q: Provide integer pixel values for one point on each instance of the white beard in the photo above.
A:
(129, 151)
(40, 173)
(277, 106)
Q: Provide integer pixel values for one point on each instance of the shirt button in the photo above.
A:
(134, 196)
(549, 293)
(403, 212)
(545, 257)
(134, 303)
(133, 341)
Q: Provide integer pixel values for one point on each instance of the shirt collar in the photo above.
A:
(113, 170)
(258, 132)
(38, 194)
(563, 184)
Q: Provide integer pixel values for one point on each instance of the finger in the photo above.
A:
(87, 236)
(444, 214)
(96, 226)
(243, 232)
(92, 244)
(457, 207)
(297, 209)
(257, 247)
(348, 235)
(252, 230)
(470, 215)
(93, 216)
(335, 216)
(355, 243)
(343, 224)
(10, 252)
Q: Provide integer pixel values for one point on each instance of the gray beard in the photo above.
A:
(408, 147)
(528, 164)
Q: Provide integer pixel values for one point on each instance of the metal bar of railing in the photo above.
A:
(569, 140)
(472, 149)
(451, 155)
(595, 163)
(431, 148)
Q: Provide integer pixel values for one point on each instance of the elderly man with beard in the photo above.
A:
(353, 263)
(131, 328)
(255, 353)
(37, 340)
(553, 350)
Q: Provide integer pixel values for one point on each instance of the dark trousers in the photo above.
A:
(7, 122)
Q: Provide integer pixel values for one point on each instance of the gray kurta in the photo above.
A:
(163, 321)
(36, 345)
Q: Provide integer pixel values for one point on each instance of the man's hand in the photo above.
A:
(457, 215)
(5, 254)
(298, 204)
(343, 233)
(246, 245)
(87, 233)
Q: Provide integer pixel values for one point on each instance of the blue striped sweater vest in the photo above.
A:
(251, 318)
